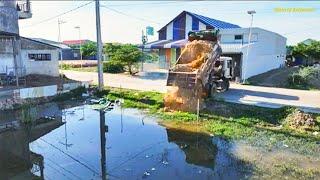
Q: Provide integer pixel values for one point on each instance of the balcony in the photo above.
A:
(24, 9)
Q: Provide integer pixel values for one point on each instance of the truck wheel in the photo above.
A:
(213, 89)
(225, 85)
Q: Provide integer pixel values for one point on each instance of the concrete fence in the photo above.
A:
(9, 98)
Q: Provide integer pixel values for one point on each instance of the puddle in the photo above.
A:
(65, 142)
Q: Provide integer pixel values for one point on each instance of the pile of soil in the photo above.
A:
(193, 56)
(300, 119)
(273, 78)
(182, 99)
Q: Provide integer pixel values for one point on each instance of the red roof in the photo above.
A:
(75, 42)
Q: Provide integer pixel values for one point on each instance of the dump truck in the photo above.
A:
(200, 66)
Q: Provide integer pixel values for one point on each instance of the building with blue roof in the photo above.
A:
(268, 49)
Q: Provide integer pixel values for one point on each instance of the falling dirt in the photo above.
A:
(191, 59)
(183, 99)
(193, 56)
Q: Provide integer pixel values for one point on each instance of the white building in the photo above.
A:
(267, 49)
(21, 56)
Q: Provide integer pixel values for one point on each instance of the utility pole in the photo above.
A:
(144, 39)
(80, 44)
(249, 41)
(99, 46)
(59, 35)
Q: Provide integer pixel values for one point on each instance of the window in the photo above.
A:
(238, 37)
(40, 57)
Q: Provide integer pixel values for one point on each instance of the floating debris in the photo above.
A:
(85, 94)
(165, 162)
(153, 169)
(146, 173)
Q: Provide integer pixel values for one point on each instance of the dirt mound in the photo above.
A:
(273, 78)
(300, 119)
(182, 99)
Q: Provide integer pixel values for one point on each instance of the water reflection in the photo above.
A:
(77, 142)
(198, 148)
(17, 161)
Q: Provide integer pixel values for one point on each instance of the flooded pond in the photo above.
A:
(78, 142)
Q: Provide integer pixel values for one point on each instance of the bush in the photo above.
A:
(305, 78)
(113, 67)
(66, 66)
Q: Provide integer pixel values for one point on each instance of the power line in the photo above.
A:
(128, 15)
(73, 158)
(58, 15)
(70, 172)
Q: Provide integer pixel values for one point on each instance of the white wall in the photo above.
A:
(188, 24)
(202, 26)
(6, 60)
(267, 51)
(170, 31)
(50, 68)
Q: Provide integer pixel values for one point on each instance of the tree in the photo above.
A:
(89, 49)
(110, 49)
(309, 51)
(128, 55)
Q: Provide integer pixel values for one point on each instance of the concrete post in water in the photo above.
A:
(103, 130)
(99, 47)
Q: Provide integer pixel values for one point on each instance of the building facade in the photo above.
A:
(267, 49)
(21, 56)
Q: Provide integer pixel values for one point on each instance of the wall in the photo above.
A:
(188, 25)
(10, 98)
(202, 26)
(169, 31)
(50, 68)
(265, 54)
(9, 17)
(6, 61)
(267, 51)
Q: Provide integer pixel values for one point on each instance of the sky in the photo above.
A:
(123, 21)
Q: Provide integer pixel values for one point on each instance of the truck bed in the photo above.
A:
(182, 79)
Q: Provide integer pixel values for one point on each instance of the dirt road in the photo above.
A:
(149, 81)
(243, 94)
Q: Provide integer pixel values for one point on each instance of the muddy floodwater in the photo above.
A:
(77, 142)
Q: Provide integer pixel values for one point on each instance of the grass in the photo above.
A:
(83, 69)
(259, 126)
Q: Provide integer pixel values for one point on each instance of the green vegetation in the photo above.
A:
(89, 49)
(305, 78)
(260, 126)
(310, 51)
(122, 57)
(75, 93)
(113, 67)
(129, 56)
(28, 114)
(84, 69)
(65, 66)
